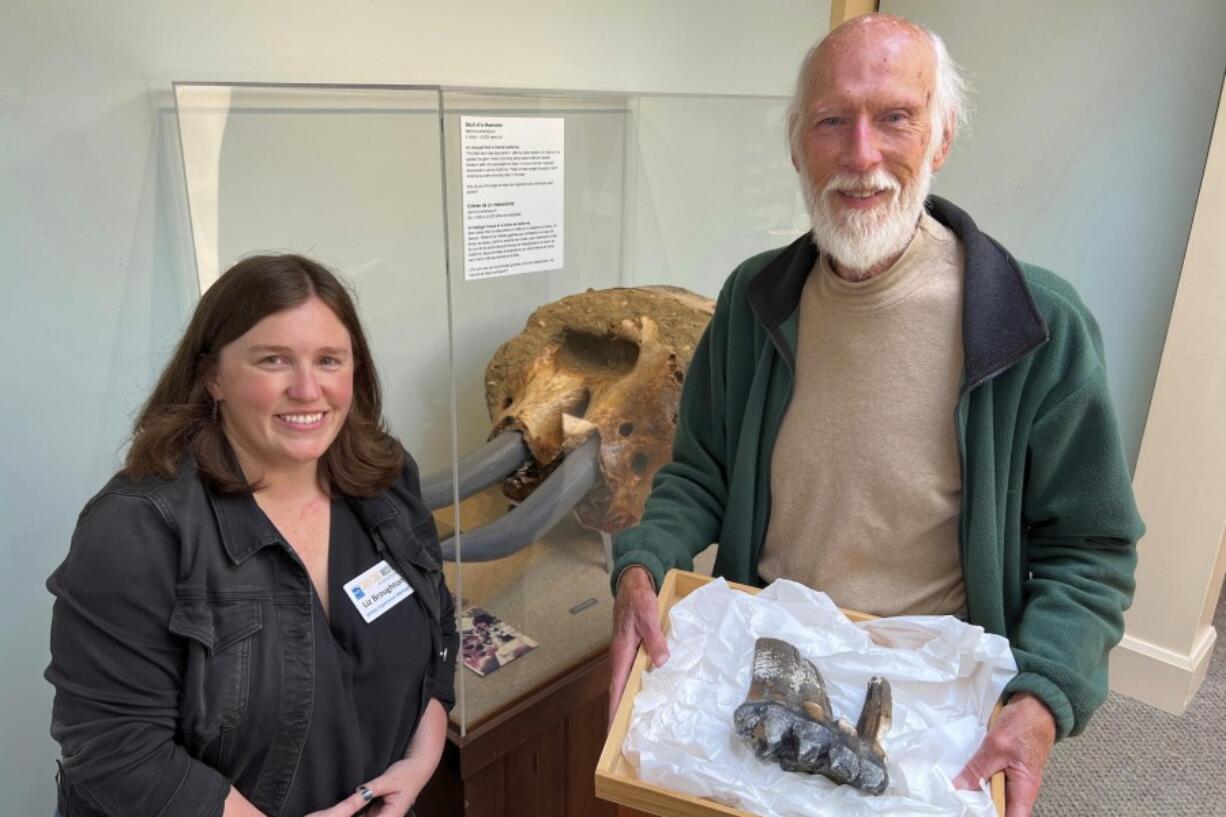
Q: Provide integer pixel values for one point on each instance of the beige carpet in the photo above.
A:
(1134, 760)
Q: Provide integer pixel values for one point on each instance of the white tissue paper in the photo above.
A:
(945, 676)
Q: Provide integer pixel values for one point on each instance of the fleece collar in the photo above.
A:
(1000, 322)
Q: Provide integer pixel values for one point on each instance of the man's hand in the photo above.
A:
(1019, 744)
(636, 617)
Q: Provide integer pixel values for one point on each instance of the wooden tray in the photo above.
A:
(617, 780)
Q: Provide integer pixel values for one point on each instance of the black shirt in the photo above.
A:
(369, 679)
(184, 649)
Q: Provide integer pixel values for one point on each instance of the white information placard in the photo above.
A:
(512, 177)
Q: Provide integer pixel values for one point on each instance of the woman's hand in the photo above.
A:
(393, 793)
(238, 806)
(348, 807)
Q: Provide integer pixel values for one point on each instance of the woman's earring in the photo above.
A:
(216, 403)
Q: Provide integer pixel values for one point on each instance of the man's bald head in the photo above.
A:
(890, 35)
(871, 27)
(875, 22)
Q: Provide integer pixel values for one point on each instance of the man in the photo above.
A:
(896, 412)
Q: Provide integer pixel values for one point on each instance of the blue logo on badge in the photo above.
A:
(357, 593)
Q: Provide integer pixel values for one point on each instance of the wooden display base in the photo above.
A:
(533, 759)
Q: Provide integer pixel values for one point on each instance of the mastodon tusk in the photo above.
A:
(544, 507)
(478, 469)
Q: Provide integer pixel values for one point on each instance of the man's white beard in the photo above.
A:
(858, 240)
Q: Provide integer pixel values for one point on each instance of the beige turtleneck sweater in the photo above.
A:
(865, 478)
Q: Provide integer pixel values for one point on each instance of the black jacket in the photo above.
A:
(182, 649)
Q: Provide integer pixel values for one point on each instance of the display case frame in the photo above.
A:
(672, 189)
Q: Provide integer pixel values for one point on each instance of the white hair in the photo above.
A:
(949, 99)
(949, 107)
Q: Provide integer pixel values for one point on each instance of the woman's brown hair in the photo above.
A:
(179, 415)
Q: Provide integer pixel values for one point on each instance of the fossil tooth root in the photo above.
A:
(875, 717)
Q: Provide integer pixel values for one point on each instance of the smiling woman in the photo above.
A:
(287, 317)
(284, 388)
(199, 665)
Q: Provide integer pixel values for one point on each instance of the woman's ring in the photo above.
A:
(367, 794)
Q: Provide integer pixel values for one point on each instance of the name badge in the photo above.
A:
(377, 590)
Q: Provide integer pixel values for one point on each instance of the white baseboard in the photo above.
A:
(1158, 676)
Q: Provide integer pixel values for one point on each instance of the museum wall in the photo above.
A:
(1085, 154)
(95, 243)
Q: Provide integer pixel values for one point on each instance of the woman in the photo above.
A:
(252, 617)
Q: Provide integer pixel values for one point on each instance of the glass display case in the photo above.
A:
(456, 214)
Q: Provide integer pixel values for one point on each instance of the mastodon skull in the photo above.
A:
(607, 364)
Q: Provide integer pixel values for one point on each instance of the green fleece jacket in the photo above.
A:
(1048, 524)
